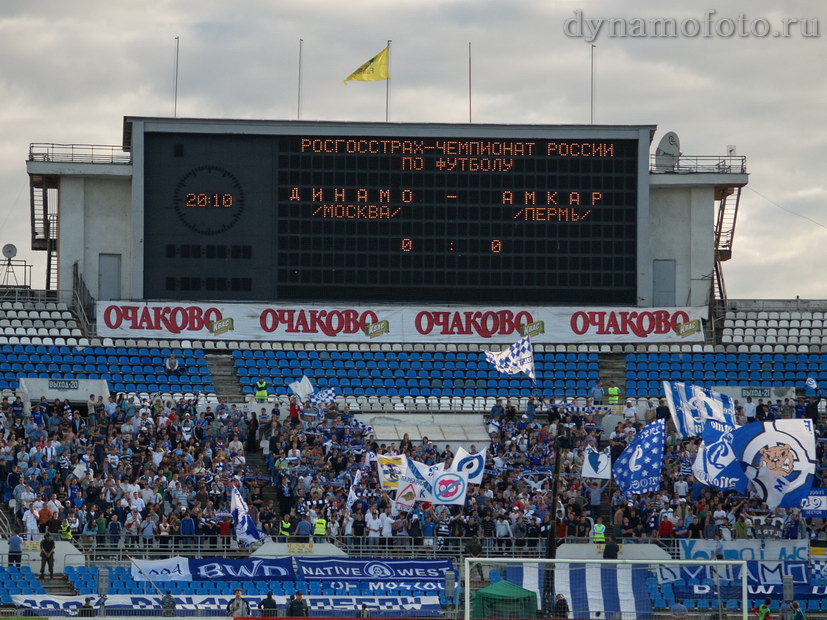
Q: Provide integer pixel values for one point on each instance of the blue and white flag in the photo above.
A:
(716, 464)
(519, 357)
(638, 469)
(810, 387)
(779, 459)
(352, 496)
(691, 405)
(597, 464)
(473, 465)
(815, 504)
(324, 397)
(605, 591)
(302, 388)
(420, 477)
(245, 528)
(363, 428)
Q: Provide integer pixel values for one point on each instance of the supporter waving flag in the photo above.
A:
(471, 464)
(245, 528)
(597, 464)
(519, 357)
(638, 468)
(324, 397)
(780, 459)
(716, 464)
(390, 469)
(302, 388)
(691, 405)
(351, 494)
(810, 387)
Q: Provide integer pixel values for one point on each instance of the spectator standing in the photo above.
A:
(261, 390)
(561, 607)
(86, 610)
(303, 530)
(811, 410)
(238, 606)
(597, 393)
(15, 549)
(679, 610)
(297, 607)
(47, 556)
(611, 550)
(614, 393)
(168, 605)
(662, 411)
(750, 410)
(268, 606)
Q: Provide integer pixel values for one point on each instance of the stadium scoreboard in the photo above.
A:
(314, 215)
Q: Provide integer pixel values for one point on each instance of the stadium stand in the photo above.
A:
(423, 373)
(18, 580)
(39, 323)
(304, 465)
(128, 369)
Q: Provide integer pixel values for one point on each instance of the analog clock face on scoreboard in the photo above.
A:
(209, 200)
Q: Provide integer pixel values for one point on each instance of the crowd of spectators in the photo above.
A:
(132, 473)
(126, 472)
(314, 461)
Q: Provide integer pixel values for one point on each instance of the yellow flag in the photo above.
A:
(373, 70)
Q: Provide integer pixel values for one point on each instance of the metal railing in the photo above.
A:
(118, 549)
(693, 164)
(453, 547)
(78, 153)
(84, 303)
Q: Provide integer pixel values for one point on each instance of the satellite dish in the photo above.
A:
(669, 144)
(668, 152)
(9, 251)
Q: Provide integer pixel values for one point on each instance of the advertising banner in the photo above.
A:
(47, 604)
(341, 569)
(757, 573)
(758, 550)
(213, 569)
(382, 323)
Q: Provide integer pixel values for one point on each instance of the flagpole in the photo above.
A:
(175, 80)
(135, 564)
(592, 88)
(299, 102)
(388, 85)
(469, 81)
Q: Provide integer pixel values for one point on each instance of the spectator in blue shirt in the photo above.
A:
(18, 407)
(303, 530)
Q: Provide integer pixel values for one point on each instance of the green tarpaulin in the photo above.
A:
(505, 600)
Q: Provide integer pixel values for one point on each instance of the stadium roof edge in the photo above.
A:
(241, 124)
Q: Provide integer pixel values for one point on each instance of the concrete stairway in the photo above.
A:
(59, 586)
(225, 377)
(612, 367)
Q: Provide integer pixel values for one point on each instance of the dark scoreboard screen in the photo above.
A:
(390, 218)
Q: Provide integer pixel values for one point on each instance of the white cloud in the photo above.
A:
(71, 71)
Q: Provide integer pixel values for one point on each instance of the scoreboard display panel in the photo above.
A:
(314, 215)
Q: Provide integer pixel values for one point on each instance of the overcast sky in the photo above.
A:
(70, 71)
